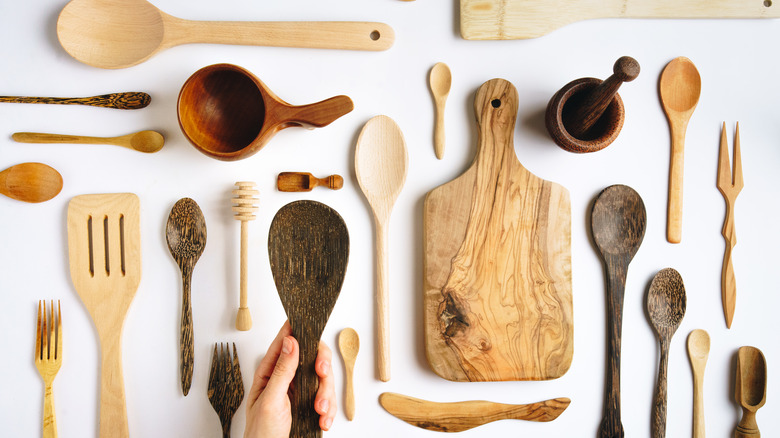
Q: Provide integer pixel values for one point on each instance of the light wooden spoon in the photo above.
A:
(121, 33)
(30, 182)
(380, 164)
(698, 350)
(680, 89)
(349, 344)
(440, 81)
(142, 141)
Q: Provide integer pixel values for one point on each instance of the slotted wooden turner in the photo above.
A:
(104, 248)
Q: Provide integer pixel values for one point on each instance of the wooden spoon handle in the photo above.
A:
(349, 399)
(319, 114)
(186, 342)
(674, 209)
(382, 306)
(438, 133)
(698, 406)
(658, 426)
(40, 137)
(611, 425)
(113, 409)
(130, 100)
(305, 420)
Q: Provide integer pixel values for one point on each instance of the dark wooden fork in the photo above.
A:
(226, 387)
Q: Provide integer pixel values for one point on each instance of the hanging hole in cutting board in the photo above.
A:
(496, 103)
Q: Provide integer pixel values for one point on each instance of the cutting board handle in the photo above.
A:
(495, 107)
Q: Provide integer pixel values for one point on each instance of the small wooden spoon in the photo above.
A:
(186, 236)
(349, 344)
(142, 141)
(680, 88)
(666, 304)
(750, 390)
(440, 81)
(381, 162)
(30, 182)
(119, 34)
(698, 350)
(618, 222)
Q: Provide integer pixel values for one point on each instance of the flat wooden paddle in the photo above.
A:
(497, 261)
(308, 247)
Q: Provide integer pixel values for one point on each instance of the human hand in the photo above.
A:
(268, 412)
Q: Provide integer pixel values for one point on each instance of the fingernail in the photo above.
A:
(328, 422)
(325, 367)
(324, 405)
(287, 346)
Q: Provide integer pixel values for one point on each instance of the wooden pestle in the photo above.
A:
(592, 106)
(244, 208)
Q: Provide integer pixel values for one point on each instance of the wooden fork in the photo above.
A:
(729, 184)
(226, 387)
(48, 360)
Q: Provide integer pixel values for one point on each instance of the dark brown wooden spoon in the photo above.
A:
(666, 304)
(186, 236)
(308, 247)
(618, 221)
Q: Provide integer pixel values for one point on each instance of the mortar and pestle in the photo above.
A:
(586, 115)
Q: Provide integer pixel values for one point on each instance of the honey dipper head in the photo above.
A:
(244, 201)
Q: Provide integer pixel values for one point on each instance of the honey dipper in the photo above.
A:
(244, 208)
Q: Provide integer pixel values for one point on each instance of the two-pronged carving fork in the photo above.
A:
(730, 184)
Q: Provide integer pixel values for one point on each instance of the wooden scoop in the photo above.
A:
(141, 141)
(308, 247)
(460, 416)
(30, 182)
(750, 390)
(120, 33)
(305, 182)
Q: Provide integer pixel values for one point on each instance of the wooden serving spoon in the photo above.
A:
(129, 100)
(349, 344)
(308, 247)
(30, 182)
(381, 162)
(186, 236)
(750, 390)
(698, 350)
(119, 33)
(305, 182)
(680, 88)
(440, 81)
(618, 222)
(666, 304)
(142, 141)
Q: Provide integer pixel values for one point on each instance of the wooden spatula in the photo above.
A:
(104, 248)
(308, 247)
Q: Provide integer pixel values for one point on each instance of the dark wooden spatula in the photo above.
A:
(308, 247)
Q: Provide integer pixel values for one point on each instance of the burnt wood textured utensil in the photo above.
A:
(349, 344)
(119, 34)
(618, 222)
(186, 237)
(104, 250)
(308, 247)
(130, 100)
(244, 209)
(666, 303)
(460, 416)
(305, 182)
(750, 390)
(729, 184)
(698, 350)
(226, 386)
(141, 141)
(30, 182)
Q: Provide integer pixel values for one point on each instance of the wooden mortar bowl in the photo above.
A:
(227, 113)
(601, 135)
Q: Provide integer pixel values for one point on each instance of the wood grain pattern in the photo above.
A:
(129, 100)
(48, 360)
(30, 182)
(308, 248)
(104, 250)
(750, 389)
(698, 351)
(227, 113)
(305, 182)
(520, 19)
(141, 141)
(226, 386)
(460, 416)
(729, 184)
(244, 209)
(349, 344)
(497, 261)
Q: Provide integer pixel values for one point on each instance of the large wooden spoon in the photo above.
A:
(750, 390)
(142, 141)
(666, 304)
(698, 350)
(186, 236)
(440, 81)
(128, 100)
(308, 247)
(30, 182)
(618, 221)
(381, 162)
(121, 33)
(680, 88)
(349, 344)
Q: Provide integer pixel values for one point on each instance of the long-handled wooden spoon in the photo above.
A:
(142, 141)
(440, 81)
(750, 390)
(129, 100)
(680, 88)
(618, 222)
(186, 236)
(698, 350)
(30, 182)
(119, 34)
(349, 344)
(666, 304)
(381, 162)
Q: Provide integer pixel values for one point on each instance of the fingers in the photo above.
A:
(266, 367)
(325, 400)
(284, 370)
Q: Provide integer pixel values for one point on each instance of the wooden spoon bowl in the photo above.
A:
(30, 182)
(227, 113)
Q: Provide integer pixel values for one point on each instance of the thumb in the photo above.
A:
(285, 368)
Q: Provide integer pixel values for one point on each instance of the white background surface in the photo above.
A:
(739, 74)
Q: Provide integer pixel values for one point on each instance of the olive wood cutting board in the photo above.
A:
(497, 261)
(520, 19)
